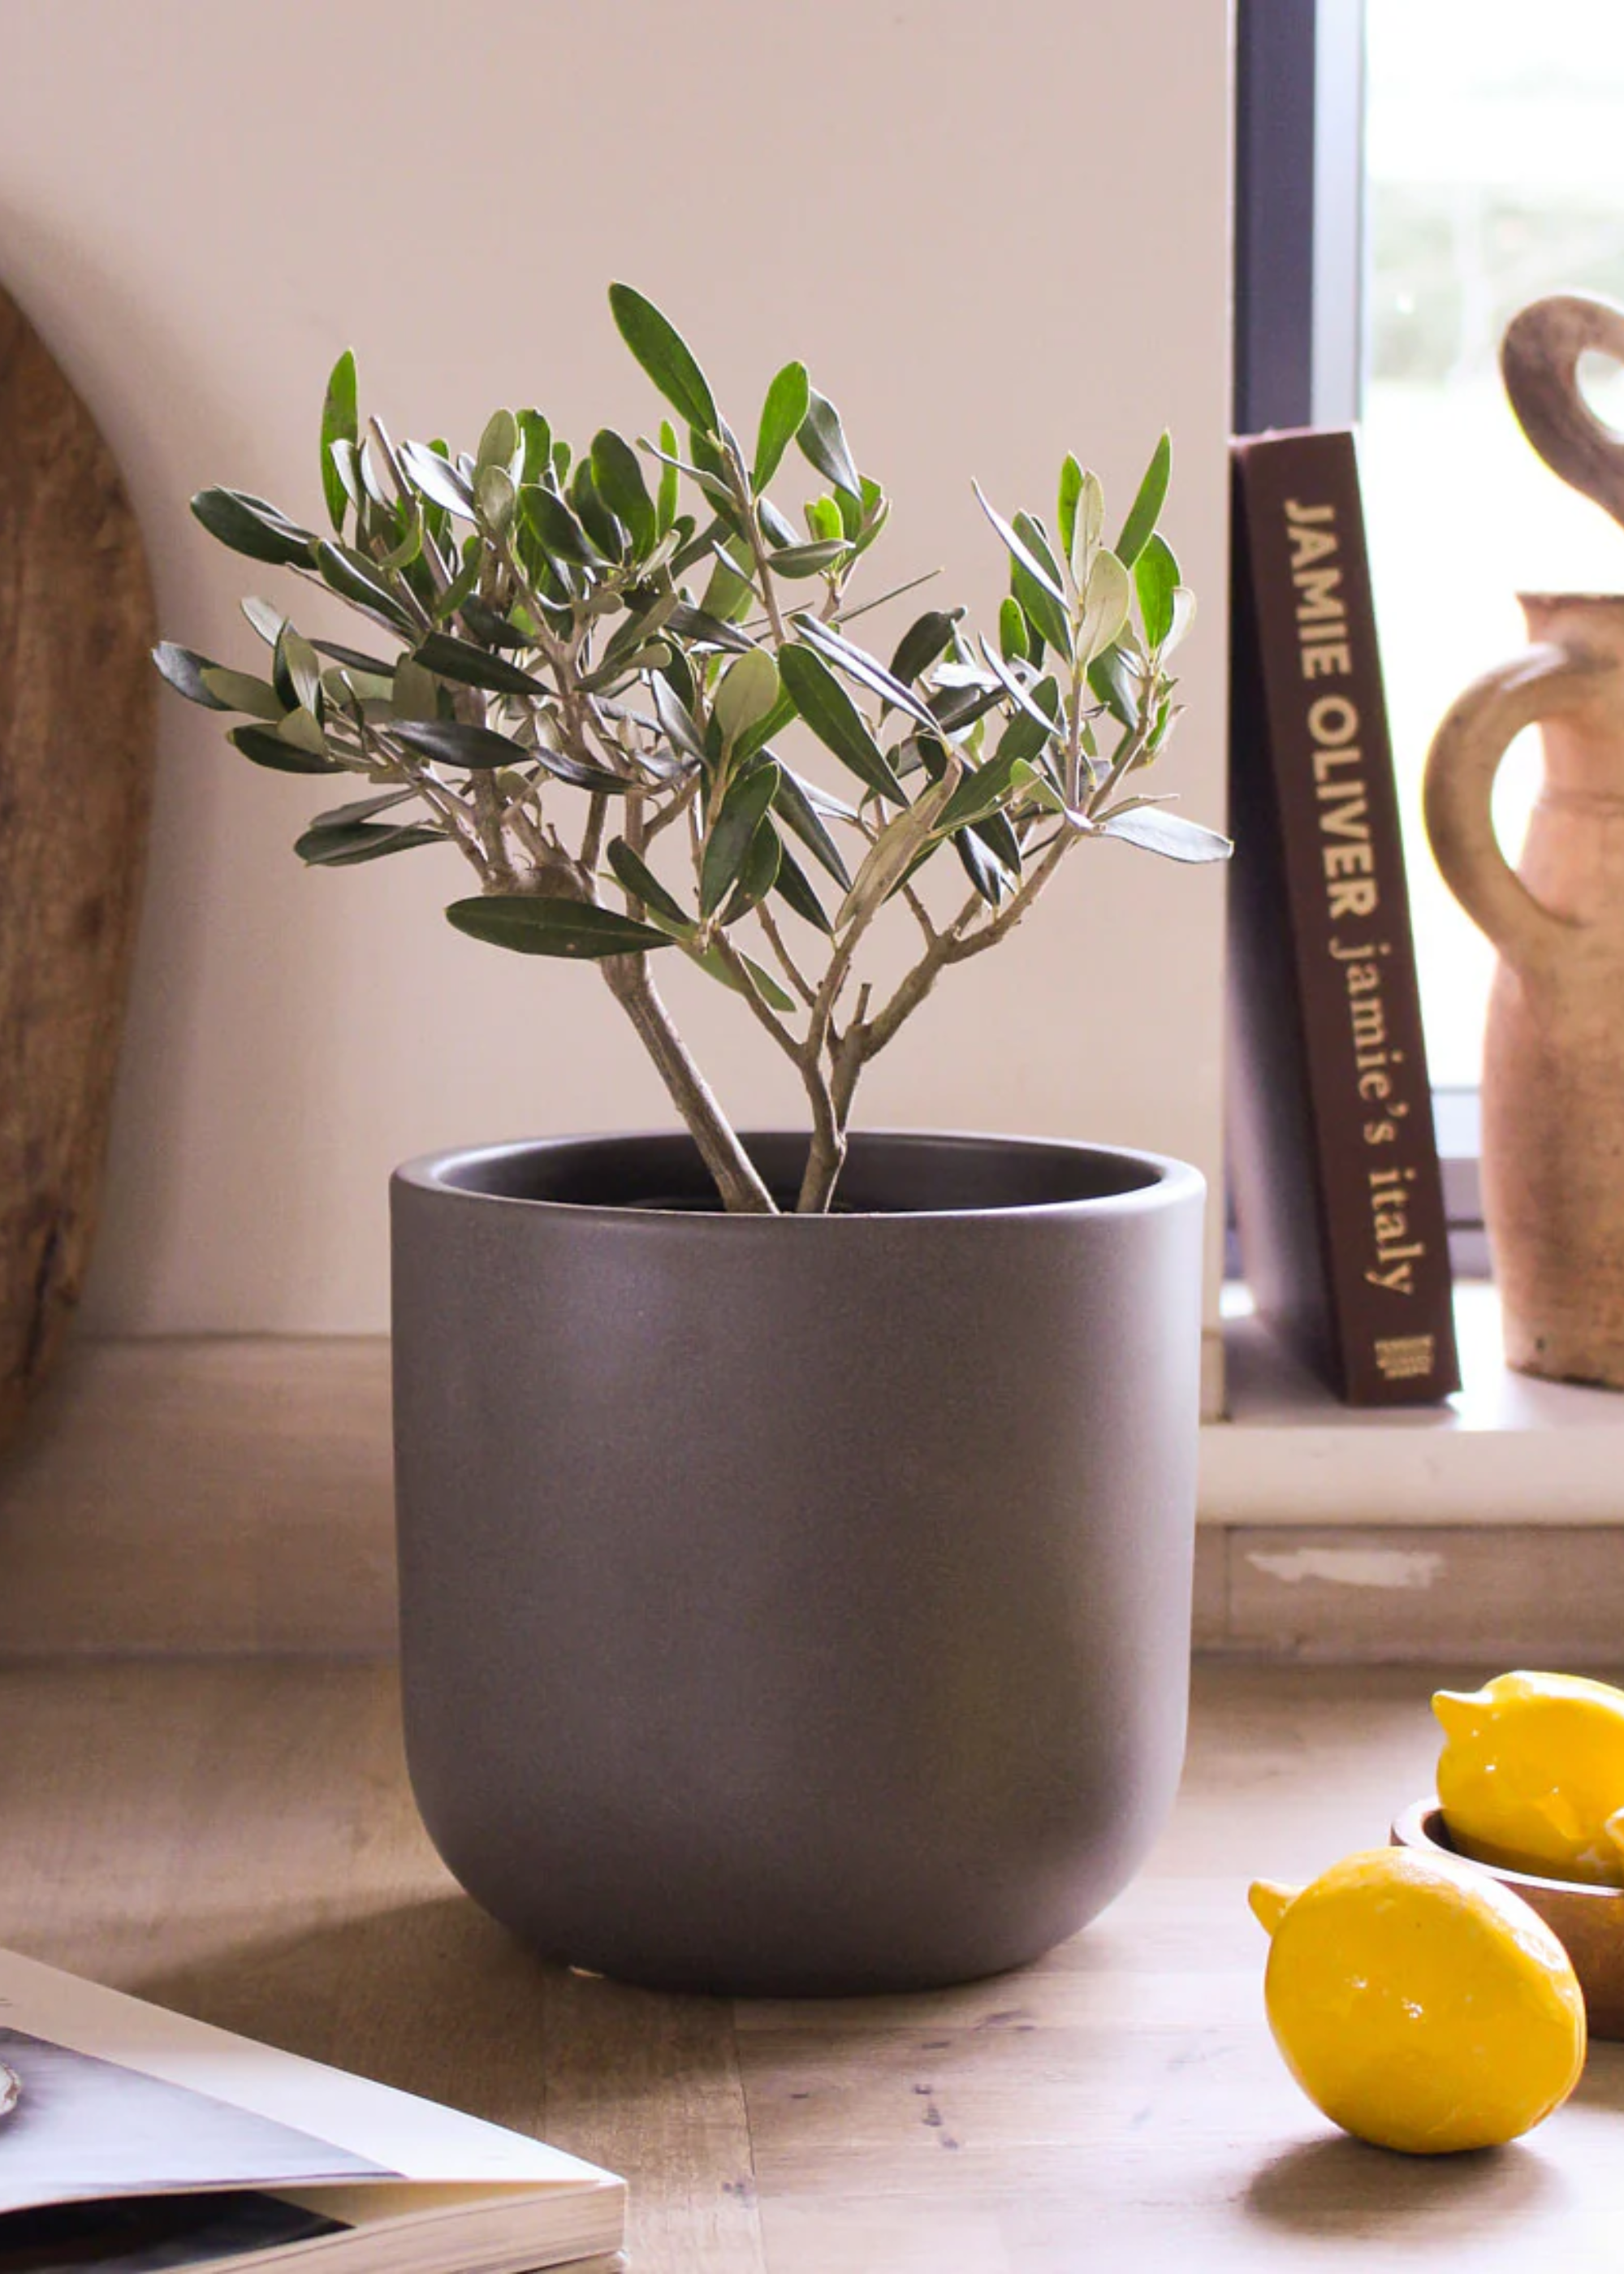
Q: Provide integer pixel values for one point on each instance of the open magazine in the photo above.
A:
(132, 2140)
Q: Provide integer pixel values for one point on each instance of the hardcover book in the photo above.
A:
(132, 2140)
(1337, 1189)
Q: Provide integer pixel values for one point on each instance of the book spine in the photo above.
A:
(1322, 747)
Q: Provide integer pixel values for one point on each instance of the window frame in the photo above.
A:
(1301, 354)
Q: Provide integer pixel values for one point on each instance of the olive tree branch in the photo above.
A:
(827, 1156)
(665, 814)
(592, 839)
(922, 913)
(786, 962)
(957, 944)
(1128, 751)
(439, 797)
(737, 1179)
(489, 813)
(787, 1040)
(739, 482)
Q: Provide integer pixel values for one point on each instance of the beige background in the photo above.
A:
(992, 232)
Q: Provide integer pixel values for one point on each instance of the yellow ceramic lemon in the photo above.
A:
(1531, 1775)
(1420, 2004)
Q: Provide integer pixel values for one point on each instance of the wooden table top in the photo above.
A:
(235, 1838)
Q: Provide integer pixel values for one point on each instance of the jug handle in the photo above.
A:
(1458, 792)
(1539, 362)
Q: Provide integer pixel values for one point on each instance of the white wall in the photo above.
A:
(994, 232)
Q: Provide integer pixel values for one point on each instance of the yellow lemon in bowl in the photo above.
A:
(1419, 2004)
(1531, 1775)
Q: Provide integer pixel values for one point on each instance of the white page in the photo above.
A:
(264, 2118)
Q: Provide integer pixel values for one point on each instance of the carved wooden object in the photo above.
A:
(1539, 362)
(77, 707)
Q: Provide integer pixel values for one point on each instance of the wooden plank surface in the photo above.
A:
(203, 1494)
(237, 1840)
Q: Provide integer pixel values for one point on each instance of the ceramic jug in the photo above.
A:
(1553, 1049)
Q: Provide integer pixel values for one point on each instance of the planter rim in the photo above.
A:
(1170, 1182)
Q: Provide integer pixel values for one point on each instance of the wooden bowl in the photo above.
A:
(1587, 1922)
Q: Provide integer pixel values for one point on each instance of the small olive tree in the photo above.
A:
(592, 690)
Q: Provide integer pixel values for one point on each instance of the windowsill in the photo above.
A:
(1505, 1449)
(233, 1494)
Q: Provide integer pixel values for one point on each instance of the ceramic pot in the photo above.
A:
(1553, 1049)
(795, 1605)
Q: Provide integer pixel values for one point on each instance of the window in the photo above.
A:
(1411, 173)
(1492, 139)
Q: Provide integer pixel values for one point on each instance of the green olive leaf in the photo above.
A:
(1071, 490)
(1145, 510)
(355, 579)
(836, 720)
(535, 446)
(665, 357)
(474, 667)
(249, 525)
(1042, 572)
(532, 926)
(333, 845)
(822, 441)
(619, 480)
(794, 889)
(633, 874)
(434, 473)
(728, 842)
(560, 533)
(758, 875)
(268, 749)
(794, 807)
(746, 693)
(926, 638)
(1155, 580)
(453, 742)
(1107, 597)
(339, 425)
(808, 560)
(1167, 834)
(1013, 645)
(236, 690)
(783, 415)
(187, 673)
(499, 446)
(858, 663)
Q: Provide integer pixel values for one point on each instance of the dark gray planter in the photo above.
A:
(795, 1605)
